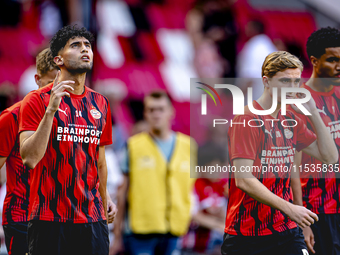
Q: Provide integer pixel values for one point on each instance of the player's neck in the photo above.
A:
(78, 78)
(162, 134)
(319, 84)
(266, 101)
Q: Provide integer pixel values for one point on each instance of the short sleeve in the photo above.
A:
(8, 131)
(106, 137)
(32, 110)
(243, 140)
(305, 137)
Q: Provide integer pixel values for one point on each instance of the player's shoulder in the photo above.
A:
(43, 90)
(10, 111)
(248, 113)
(39, 92)
(14, 108)
(96, 94)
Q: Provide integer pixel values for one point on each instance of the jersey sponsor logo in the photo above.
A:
(278, 155)
(238, 99)
(334, 128)
(288, 134)
(254, 122)
(95, 113)
(63, 111)
(79, 134)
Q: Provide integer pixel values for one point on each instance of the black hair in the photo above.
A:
(321, 39)
(66, 33)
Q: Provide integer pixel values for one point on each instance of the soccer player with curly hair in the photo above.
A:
(63, 130)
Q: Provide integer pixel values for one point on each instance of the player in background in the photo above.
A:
(63, 130)
(320, 191)
(260, 217)
(46, 68)
(14, 218)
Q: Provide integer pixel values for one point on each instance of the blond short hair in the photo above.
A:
(279, 61)
(44, 62)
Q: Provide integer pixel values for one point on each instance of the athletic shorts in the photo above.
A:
(16, 238)
(290, 242)
(56, 238)
(327, 234)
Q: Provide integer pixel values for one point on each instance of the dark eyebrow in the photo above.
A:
(289, 79)
(76, 42)
(332, 58)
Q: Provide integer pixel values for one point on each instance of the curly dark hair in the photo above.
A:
(321, 39)
(66, 33)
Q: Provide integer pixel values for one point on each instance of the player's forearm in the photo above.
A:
(34, 147)
(102, 188)
(102, 174)
(325, 142)
(108, 196)
(295, 180)
(255, 189)
(297, 191)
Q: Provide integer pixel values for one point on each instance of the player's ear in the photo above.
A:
(58, 60)
(265, 81)
(314, 61)
(37, 79)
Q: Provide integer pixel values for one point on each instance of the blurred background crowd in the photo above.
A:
(146, 45)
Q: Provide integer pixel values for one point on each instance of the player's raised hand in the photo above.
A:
(310, 105)
(58, 91)
(301, 215)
